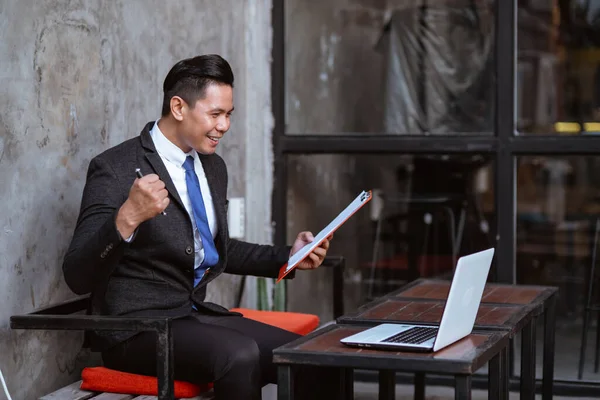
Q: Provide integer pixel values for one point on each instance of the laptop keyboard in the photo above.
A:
(416, 335)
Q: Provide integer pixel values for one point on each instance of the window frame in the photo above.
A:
(504, 146)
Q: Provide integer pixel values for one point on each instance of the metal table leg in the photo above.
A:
(462, 387)
(549, 337)
(504, 373)
(495, 377)
(285, 383)
(348, 383)
(387, 385)
(505, 363)
(528, 347)
(510, 362)
(419, 386)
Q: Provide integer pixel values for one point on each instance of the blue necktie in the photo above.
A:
(211, 257)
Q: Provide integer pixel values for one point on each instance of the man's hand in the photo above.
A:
(147, 198)
(314, 259)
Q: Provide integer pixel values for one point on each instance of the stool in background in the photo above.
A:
(590, 307)
(402, 262)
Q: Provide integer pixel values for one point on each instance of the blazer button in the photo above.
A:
(189, 250)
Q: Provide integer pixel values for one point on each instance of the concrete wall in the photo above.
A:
(78, 77)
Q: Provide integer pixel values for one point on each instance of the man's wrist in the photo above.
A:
(126, 222)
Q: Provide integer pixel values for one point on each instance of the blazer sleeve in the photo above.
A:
(245, 258)
(253, 259)
(96, 246)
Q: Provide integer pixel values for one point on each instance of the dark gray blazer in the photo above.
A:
(153, 275)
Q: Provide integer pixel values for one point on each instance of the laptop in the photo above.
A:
(458, 316)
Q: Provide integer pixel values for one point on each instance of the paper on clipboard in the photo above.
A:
(360, 200)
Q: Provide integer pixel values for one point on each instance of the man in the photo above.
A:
(149, 245)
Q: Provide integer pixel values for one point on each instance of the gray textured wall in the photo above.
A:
(78, 77)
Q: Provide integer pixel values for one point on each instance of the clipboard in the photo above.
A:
(360, 200)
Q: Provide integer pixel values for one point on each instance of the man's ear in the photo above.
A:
(178, 106)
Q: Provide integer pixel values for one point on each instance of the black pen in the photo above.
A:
(138, 173)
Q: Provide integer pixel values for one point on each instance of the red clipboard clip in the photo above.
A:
(283, 272)
(362, 199)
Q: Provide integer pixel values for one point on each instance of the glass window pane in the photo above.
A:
(557, 211)
(401, 67)
(423, 208)
(558, 70)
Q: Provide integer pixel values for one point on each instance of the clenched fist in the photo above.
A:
(147, 198)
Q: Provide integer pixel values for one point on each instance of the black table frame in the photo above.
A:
(526, 324)
(544, 305)
(287, 356)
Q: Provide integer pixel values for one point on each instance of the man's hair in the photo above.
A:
(189, 79)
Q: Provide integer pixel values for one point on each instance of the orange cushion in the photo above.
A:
(290, 321)
(100, 379)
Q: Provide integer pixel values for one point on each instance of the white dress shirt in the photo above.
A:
(173, 158)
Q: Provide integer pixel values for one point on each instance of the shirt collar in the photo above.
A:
(168, 149)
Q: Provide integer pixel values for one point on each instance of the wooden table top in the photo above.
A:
(323, 348)
(495, 293)
(493, 316)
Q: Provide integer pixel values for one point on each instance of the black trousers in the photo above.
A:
(235, 353)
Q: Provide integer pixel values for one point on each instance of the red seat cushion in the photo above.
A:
(290, 321)
(100, 379)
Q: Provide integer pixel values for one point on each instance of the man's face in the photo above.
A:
(203, 126)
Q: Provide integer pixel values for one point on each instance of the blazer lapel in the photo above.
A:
(160, 170)
(157, 164)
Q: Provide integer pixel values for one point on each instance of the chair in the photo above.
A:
(406, 260)
(441, 197)
(66, 316)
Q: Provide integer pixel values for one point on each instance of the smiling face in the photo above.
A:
(202, 126)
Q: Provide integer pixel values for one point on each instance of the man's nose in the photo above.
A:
(223, 125)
